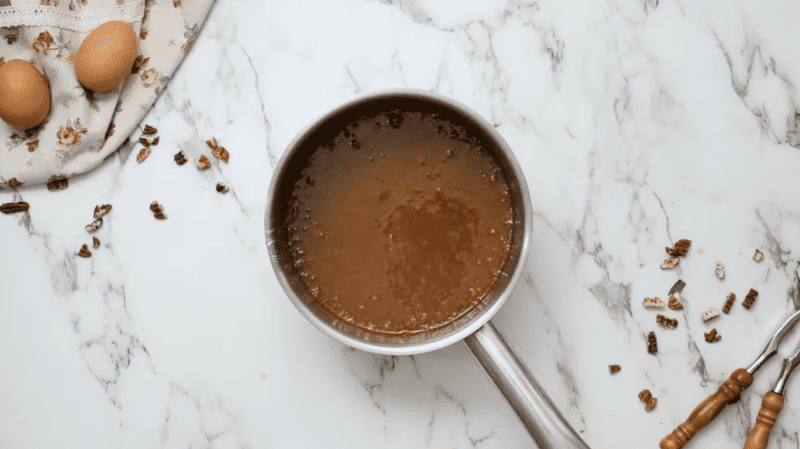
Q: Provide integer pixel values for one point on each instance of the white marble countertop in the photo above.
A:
(637, 123)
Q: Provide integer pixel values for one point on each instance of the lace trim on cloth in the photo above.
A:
(83, 22)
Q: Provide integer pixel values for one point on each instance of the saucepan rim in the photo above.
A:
(412, 347)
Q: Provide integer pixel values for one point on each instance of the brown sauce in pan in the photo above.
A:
(401, 223)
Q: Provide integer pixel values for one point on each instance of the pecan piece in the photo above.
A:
(653, 302)
(84, 252)
(222, 188)
(56, 183)
(669, 263)
(143, 153)
(149, 129)
(728, 303)
(652, 344)
(204, 163)
(12, 208)
(95, 225)
(712, 336)
(218, 151)
(155, 207)
(681, 248)
(180, 158)
(709, 314)
(671, 323)
(720, 270)
(748, 300)
(99, 211)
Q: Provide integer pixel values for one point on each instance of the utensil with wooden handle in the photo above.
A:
(771, 405)
(728, 393)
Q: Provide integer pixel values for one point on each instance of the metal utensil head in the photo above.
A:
(321, 131)
(789, 364)
(772, 346)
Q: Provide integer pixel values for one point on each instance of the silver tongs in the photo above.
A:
(730, 391)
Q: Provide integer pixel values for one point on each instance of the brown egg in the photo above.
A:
(24, 94)
(106, 56)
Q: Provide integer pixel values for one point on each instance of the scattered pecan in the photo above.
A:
(221, 153)
(149, 130)
(748, 300)
(84, 252)
(728, 303)
(56, 183)
(204, 163)
(33, 145)
(143, 153)
(645, 395)
(95, 225)
(712, 336)
(681, 248)
(651, 404)
(99, 211)
(671, 323)
(95, 242)
(653, 302)
(614, 369)
(720, 270)
(143, 140)
(758, 256)
(218, 151)
(180, 158)
(158, 210)
(222, 188)
(674, 304)
(652, 344)
(709, 314)
(12, 208)
(13, 183)
(677, 287)
(155, 207)
(669, 263)
(176, 3)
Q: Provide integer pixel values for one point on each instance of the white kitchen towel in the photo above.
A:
(83, 127)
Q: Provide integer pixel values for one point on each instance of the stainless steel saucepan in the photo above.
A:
(544, 422)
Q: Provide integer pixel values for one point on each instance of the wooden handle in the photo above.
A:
(727, 393)
(770, 406)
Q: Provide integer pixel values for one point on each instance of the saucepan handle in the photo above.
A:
(544, 422)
